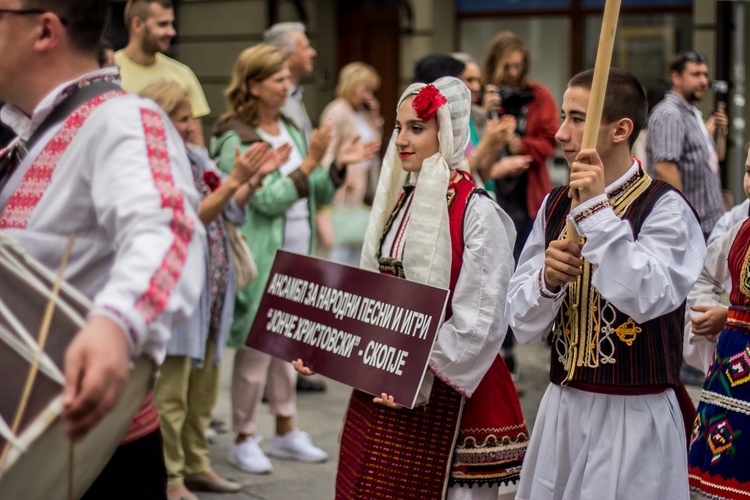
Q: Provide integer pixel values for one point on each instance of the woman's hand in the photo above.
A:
(491, 99)
(319, 142)
(270, 162)
(510, 166)
(710, 322)
(372, 105)
(387, 400)
(247, 164)
(353, 151)
(299, 365)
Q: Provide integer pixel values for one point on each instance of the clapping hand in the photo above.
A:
(510, 166)
(319, 141)
(353, 151)
(247, 164)
(270, 162)
(499, 132)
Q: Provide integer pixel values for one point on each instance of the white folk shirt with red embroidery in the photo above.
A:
(123, 186)
(644, 278)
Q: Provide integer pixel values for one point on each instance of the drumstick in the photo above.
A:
(43, 332)
(598, 89)
(71, 470)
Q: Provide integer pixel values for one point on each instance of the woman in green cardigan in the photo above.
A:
(281, 215)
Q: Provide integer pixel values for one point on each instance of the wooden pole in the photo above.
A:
(598, 88)
(590, 136)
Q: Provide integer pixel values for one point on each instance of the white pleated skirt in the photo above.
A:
(588, 446)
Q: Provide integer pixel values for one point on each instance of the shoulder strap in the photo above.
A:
(68, 105)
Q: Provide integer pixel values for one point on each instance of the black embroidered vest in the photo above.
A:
(608, 348)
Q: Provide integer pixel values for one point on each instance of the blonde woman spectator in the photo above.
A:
(281, 215)
(188, 380)
(354, 113)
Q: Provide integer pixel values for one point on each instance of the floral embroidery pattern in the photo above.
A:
(24, 200)
(721, 439)
(738, 369)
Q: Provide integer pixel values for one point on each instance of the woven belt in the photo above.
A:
(739, 317)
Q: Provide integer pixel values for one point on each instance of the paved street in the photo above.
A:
(322, 415)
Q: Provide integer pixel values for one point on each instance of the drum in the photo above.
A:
(35, 460)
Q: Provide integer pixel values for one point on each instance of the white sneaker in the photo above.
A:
(248, 456)
(210, 435)
(296, 445)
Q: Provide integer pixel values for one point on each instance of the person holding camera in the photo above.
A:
(518, 176)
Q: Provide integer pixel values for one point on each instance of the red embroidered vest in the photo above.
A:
(458, 197)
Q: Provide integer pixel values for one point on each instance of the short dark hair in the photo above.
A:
(141, 8)
(625, 98)
(84, 19)
(680, 61)
(430, 68)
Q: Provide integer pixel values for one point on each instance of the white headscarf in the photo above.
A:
(427, 251)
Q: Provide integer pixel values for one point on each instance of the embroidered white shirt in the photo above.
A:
(124, 188)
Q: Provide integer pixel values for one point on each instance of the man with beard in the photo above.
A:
(150, 25)
(680, 148)
(682, 151)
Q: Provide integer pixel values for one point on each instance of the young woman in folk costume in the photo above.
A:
(720, 442)
(432, 225)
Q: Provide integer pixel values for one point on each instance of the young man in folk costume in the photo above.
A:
(102, 165)
(609, 425)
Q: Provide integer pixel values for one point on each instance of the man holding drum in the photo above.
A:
(99, 164)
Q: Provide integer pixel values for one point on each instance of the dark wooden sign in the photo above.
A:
(367, 330)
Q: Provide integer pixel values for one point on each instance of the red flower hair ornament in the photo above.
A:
(427, 102)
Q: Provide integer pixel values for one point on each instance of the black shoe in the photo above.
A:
(220, 426)
(691, 376)
(306, 385)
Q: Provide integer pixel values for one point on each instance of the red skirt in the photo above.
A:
(493, 437)
(409, 454)
(398, 454)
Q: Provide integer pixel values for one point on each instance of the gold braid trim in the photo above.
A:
(583, 297)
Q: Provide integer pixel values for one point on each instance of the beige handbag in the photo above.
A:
(245, 270)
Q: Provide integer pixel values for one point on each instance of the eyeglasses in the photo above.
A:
(695, 57)
(28, 12)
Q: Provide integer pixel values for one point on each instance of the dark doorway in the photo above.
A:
(369, 31)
